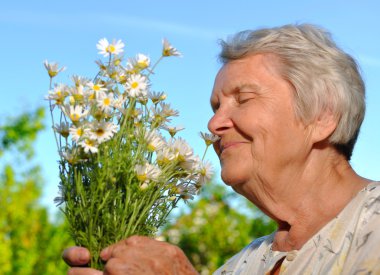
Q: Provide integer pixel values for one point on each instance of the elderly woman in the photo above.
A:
(288, 106)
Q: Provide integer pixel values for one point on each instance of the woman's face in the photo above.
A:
(260, 136)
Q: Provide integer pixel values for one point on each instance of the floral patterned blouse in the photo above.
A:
(348, 244)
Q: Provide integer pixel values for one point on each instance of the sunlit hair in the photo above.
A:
(324, 77)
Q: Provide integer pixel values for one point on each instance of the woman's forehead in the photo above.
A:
(252, 71)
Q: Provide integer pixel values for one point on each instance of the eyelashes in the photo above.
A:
(242, 98)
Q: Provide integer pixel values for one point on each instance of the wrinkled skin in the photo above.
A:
(135, 255)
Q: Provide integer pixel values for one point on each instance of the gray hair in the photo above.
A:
(324, 76)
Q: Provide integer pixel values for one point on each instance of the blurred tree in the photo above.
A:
(213, 230)
(20, 132)
(30, 241)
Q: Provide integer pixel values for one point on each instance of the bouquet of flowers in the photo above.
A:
(122, 167)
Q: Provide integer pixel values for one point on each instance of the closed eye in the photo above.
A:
(244, 97)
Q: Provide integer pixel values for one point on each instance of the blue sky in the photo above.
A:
(67, 32)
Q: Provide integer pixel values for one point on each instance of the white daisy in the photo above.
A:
(62, 129)
(102, 131)
(167, 111)
(156, 97)
(105, 48)
(209, 138)
(102, 66)
(147, 172)
(165, 156)
(105, 101)
(75, 113)
(154, 141)
(70, 155)
(205, 172)
(80, 80)
(116, 61)
(78, 132)
(137, 85)
(130, 67)
(96, 87)
(186, 190)
(58, 94)
(77, 94)
(183, 151)
(168, 49)
(162, 113)
(119, 104)
(89, 145)
(173, 130)
(142, 61)
(52, 68)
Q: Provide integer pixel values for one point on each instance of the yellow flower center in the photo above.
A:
(117, 62)
(122, 79)
(142, 64)
(203, 172)
(78, 97)
(134, 85)
(142, 177)
(208, 142)
(151, 147)
(100, 132)
(181, 158)
(172, 132)
(96, 87)
(79, 132)
(113, 75)
(163, 161)
(106, 101)
(52, 73)
(74, 117)
(64, 133)
(166, 52)
(98, 115)
(89, 142)
(111, 48)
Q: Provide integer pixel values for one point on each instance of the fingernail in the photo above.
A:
(83, 256)
(104, 252)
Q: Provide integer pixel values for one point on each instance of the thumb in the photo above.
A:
(76, 256)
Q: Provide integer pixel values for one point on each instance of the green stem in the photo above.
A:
(204, 154)
(154, 66)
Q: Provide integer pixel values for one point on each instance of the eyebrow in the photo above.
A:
(251, 86)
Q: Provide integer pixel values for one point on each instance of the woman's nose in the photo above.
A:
(219, 122)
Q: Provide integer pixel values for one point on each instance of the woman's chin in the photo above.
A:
(230, 178)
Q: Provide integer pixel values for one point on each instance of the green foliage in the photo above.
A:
(21, 132)
(30, 241)
(213, 231)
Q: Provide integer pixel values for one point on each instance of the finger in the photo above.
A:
(83, 271)
(106, 253)
(76, 256)
(121, 246)
(109, 251)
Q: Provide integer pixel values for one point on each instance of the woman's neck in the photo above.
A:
(314, 197)
(312, 212)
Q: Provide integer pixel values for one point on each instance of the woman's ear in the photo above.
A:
(323, 126)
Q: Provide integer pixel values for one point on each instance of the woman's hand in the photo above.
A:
(135, 255)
